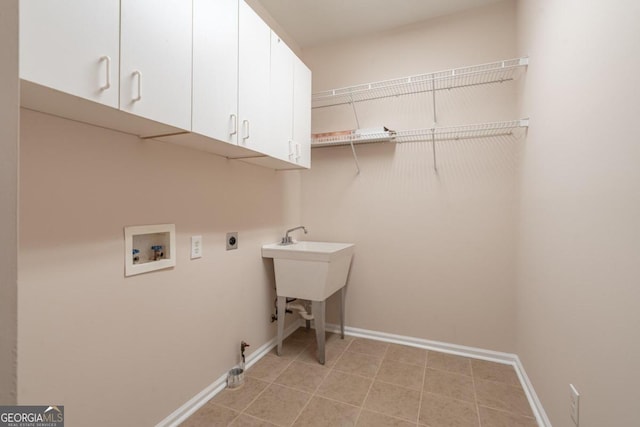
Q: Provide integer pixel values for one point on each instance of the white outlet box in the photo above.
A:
(574, 405)
(196, 247)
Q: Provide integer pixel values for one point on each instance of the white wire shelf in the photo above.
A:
(494, 72)
(445, 133)
(357, 136)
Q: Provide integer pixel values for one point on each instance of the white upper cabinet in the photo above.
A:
(215, 69)
(253, 83)
(290, 108)
(72, 46)
(208, 74)
(155, 52)
(301, 113)
(281, 108)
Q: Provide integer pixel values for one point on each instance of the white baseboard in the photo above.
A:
(199, 400)
(460, 350)
(536, 405)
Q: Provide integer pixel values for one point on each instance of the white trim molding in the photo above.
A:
(536, 405)
(196, 402)
(460, 350)
(199, 400)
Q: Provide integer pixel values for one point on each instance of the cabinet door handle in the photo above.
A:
(107, 61)
(139, 75)
(297, 152)
(234, 124)
(245, 125)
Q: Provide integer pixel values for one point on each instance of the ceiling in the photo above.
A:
(314, 22)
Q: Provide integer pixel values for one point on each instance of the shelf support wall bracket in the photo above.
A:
(435, 122)
(353, 149)
(433, 148)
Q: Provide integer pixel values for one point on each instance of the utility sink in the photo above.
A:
(309, 270)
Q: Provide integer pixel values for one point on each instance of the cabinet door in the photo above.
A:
(253, 84)
(302, 112)
(155, 78)
(281, 95)
(215, 69)
(72, 46)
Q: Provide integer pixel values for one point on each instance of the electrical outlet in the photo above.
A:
(574, 403)
(196, 247)
(232, 240)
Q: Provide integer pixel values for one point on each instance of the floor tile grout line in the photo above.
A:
(302, 410)
(402, 362)
(319, 396)
(269, 384)
(364, 354)
(314, 394)
(284, 386)
(368, 354)
(254, 417)
(398, 385)
(519, 386)
(238, 413)
(499, 409)
(475, 395)
(338, 370)
(392, 416)
(424, 379)
(448, 372)
(508, 412)
(234, 418)
(448, 397)
(364, 401)
(280, 373)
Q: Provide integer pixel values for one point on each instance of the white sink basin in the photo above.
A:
(310, 270)
(308, 251)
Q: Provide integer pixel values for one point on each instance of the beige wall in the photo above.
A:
(274, 25)
(9, 126)
(434, 252)
(579, 246)
(91, 339)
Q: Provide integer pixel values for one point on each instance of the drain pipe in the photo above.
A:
(301, 311)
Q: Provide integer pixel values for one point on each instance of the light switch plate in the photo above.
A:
(196, 247)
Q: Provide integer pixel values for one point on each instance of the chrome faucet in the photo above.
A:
(286, 240)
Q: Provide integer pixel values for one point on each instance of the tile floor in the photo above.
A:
(369, 383)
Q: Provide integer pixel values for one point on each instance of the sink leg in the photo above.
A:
(308, 324)
(317, 309)
(343, 293)
(282, 307)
